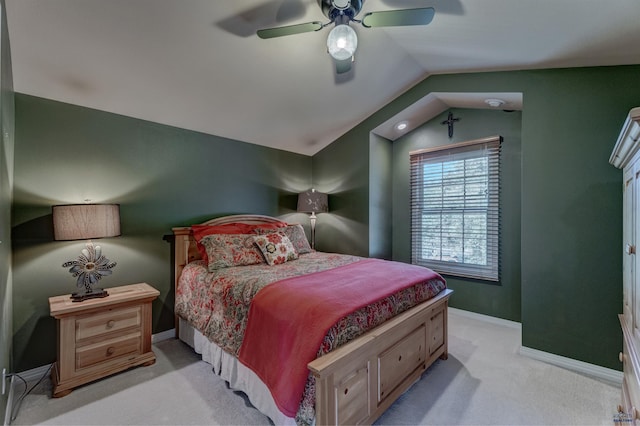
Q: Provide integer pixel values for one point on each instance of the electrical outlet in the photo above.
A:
(4, 380)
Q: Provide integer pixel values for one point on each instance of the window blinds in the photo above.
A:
(455, 208)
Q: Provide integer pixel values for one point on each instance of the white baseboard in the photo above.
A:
(607, 374)
(36, 373)
(485, 318)
(163, 335)
(9, 407)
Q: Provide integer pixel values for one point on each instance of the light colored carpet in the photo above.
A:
(484, 382)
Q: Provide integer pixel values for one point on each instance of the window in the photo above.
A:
(455, 215)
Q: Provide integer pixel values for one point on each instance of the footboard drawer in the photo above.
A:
(437, 331)
(400, 360)
(351, 394)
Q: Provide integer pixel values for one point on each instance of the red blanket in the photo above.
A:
(289, 319)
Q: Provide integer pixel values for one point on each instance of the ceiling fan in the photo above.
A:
(342, 40)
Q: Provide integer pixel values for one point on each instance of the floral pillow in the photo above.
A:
(296, 235)
(276, 248)
(226, 250)
(201, 231)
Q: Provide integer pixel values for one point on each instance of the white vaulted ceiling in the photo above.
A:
(198, 64)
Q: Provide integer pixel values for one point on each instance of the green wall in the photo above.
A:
(6, 184)
(572, 211)
(502, 299)
(380, 196)
(571, 214)
(569, 277)
(161, 176)
(342, 171)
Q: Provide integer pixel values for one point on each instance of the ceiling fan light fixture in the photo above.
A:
(341, 4)
(342, 42)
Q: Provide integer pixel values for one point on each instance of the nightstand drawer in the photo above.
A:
(89, 355)
(107, 322)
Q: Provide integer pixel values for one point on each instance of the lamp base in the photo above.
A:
(312, 219)
(95, 294)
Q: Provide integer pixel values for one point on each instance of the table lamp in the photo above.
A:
(313, 202)
(84, 222)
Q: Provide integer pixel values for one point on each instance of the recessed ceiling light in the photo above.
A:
(494, 103)
(402, 125)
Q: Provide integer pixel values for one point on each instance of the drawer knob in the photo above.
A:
(111, 323)
(111, 350)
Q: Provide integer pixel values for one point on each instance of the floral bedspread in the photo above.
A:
(217, 304)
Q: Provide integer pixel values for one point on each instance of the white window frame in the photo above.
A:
(446, 187)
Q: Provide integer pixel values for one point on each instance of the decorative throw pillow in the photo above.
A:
(201, 231)
(296, 235)
(298, 238)
(225, 250)
(276, 248)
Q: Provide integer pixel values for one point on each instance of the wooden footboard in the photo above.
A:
(357, 382)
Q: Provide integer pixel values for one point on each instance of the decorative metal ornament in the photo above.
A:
(89, 268)
(449, 122)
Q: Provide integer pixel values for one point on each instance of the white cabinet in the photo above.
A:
(626, 156)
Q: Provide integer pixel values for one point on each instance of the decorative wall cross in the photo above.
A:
(449, 121)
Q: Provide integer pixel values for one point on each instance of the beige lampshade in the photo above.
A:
(86, 221)
(313, 201)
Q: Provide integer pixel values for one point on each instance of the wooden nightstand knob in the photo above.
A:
(111, 350)
(111, 323)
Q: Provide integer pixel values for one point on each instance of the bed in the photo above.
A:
(348, 364)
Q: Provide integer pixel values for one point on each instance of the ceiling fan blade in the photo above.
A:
(290, 29)
(343, 66)
(395, 18)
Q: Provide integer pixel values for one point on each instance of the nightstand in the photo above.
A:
(100, 337)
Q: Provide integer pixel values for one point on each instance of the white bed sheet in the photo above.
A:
(238, 376)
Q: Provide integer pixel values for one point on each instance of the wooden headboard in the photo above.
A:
(185, 245)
